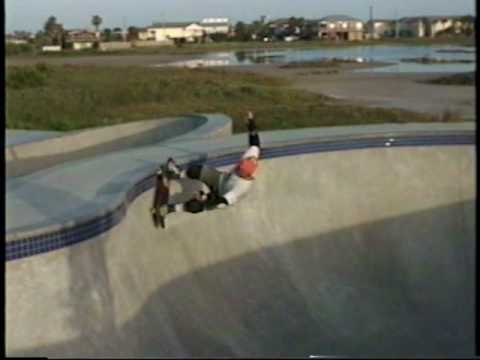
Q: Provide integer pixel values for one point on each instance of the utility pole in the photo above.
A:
(371, 22)
(396, 22)
(124, 32)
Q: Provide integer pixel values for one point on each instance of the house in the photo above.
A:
(80, 39)
(412, 27)
(176, 31)
(19, 38)
(437, 24)
(340, 27)
(11, 39)
(216, 26)
(380, 28)
(289, 29)
(429, 26)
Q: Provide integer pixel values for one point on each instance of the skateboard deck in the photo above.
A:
(161, 197)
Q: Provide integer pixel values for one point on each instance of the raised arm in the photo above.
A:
(253, 138)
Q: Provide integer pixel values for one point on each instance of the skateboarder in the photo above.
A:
(226, 188)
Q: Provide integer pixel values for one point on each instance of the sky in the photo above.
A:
(30, 15)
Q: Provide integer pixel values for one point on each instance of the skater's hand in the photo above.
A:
(251, 125)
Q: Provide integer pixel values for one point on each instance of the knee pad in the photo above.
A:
(194, 171)
(194, 206)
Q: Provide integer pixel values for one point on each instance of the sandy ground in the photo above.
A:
(388, 90)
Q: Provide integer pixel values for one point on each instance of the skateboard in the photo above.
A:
(159, 209)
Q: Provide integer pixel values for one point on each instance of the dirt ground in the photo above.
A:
(389, 90)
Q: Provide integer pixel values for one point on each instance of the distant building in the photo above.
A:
(176, 31)
(412, 27)
(188, 31)
(429, 26)
(437, 24)
(380, 28)
(14, 40)
(51, 48)
(284, 28)
(79, 39)
(340, 27)
(216, 25)
(18, 38)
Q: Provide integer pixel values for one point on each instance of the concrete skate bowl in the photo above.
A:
(27, 157)
(360, 252)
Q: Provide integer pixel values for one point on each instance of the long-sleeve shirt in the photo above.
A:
(233, 187)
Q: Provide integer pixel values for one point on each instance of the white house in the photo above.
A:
(216, 25)
(437, 24)
(80, 39)
(340, 27)
(187, 31)
(426, 26)
(12, 40)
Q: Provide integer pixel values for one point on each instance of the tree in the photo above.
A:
(50, 25)
(308, 32)
(242, 32)
(96, 21)
(294, 25)
(132, 33)
(107, 34)
(54, 31)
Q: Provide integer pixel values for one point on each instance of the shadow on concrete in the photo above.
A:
(397, 287)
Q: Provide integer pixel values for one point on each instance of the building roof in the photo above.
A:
(177, 24)
(215, 21)
(207, 24)
(383, 20)
(280, 21)
(81, 35)
(428, 18)
(339, 18)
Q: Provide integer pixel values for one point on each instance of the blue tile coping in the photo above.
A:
(42, 243)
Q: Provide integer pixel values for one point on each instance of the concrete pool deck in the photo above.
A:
(82, 188)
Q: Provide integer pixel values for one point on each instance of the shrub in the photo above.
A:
(219, 37)
(17, 49)
(43, 68)
(25, 77)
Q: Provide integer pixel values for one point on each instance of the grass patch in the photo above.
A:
(27, 77)
(76, 97)
(465, 79)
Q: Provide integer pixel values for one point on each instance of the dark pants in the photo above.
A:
(206, 174)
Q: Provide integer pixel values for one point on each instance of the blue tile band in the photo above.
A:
(29, 246)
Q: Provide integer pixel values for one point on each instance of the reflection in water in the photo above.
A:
(241, 56)
(259, 57)
(455, 59)
(198, 63)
